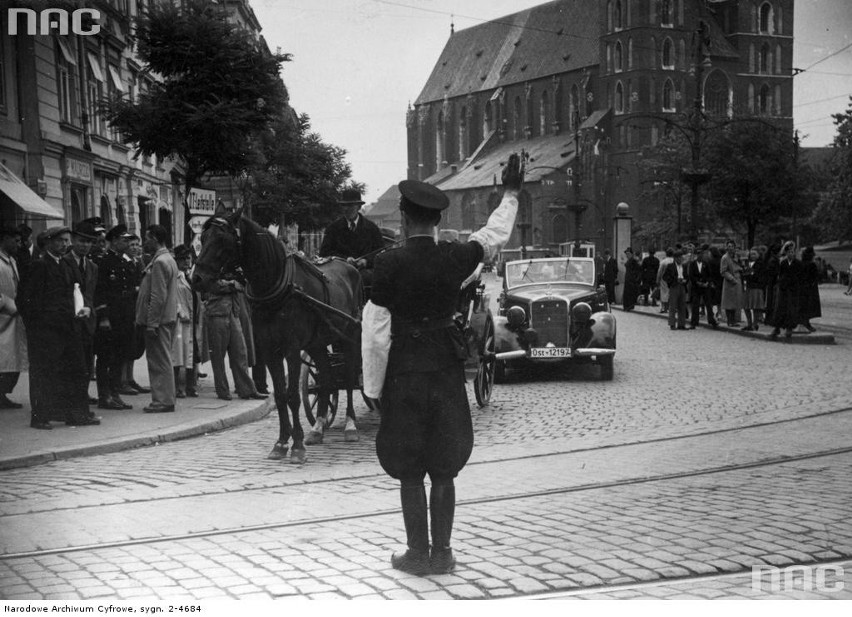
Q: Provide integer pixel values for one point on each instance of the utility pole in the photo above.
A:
(697, 176)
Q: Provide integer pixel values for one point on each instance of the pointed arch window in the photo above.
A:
(487, 120)
(764, 100)
(765, 60)
(667, 12)
(619, 57)
(439, 141)
(574, 107)
(765, 18)
(617, 15)
(463, 134)
(668, 96)
(668, 54)
(717, 95)
(619, 98)
(516, 119)
(544, 113)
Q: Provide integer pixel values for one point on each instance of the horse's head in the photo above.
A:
(220, 249)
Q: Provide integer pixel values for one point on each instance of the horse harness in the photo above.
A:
(286, 287)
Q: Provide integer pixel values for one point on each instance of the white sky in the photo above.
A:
(358, 63)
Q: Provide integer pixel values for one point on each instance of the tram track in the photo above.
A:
(474, 464)
(235, 531)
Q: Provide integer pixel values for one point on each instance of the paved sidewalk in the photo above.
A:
(21, 446)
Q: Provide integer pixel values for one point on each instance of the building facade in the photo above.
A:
(580, 87)
(54, 139)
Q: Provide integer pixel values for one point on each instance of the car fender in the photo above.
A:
(504, 339)
(603, 330)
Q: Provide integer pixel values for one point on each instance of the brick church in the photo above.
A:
(581, 86)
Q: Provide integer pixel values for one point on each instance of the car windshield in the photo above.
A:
(555, 270)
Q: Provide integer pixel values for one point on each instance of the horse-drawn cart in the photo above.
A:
(474, 320)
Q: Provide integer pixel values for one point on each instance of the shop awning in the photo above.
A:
(95, 66)
(24, 197)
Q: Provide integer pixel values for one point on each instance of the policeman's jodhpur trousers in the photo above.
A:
(426, 426)
(158, 351)
(225, 335)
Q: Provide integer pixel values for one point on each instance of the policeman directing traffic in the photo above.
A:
(413, 360)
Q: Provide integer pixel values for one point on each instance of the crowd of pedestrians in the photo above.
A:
(85, 303)
(765, 285)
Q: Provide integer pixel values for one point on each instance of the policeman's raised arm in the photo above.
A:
(496, 232)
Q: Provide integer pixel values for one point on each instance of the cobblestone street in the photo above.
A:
(635, 488)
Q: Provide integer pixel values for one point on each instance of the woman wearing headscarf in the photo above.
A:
(786, 311)
(732, 284)
(809, 304)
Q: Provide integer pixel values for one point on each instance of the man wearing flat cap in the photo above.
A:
(54, 337)
(425, 425)
(353, 237)
(116, 301)
(675, 276)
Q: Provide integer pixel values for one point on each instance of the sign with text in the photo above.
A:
(202, 201)
(78, 170)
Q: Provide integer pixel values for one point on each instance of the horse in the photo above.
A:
(296, 306)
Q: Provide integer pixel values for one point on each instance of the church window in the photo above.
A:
(619, 98)
(668, 96)
(764, 100)
(619, 57)
(668, 54)
(766, 18)
(666, 13)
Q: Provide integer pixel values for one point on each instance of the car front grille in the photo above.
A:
(549, 319)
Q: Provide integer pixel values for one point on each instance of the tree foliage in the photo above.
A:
(299, 176)
(833, 214)
(216, 89)
(755, 178)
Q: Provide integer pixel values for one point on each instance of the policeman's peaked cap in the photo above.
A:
(119, 231)
(423, 195)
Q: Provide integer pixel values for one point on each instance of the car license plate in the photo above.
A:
(550, 352)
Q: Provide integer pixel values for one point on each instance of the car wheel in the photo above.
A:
(606, 368)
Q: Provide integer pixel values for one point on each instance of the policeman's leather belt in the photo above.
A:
(400, 327)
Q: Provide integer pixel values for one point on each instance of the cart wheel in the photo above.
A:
(483, 383)
(310, 392)
(606, 368)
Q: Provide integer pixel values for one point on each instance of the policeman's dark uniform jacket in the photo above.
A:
(55, 347)
(115, 299)
(426, 425)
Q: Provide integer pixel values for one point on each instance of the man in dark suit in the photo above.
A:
(702, 288)
(610, 276)
(57, 360)
(674, 275)
(650, 266)
(83, 235)
(353, 237)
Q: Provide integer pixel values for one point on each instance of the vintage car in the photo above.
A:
(552, 310)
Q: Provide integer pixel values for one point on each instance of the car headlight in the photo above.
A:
(581, 312)
(516, 317)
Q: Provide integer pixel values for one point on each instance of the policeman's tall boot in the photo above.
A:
(414, 514)
(442, 503)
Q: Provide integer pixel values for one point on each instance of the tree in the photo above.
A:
(216, 89)
(299, 175)
(755, 178)
(833, 214)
